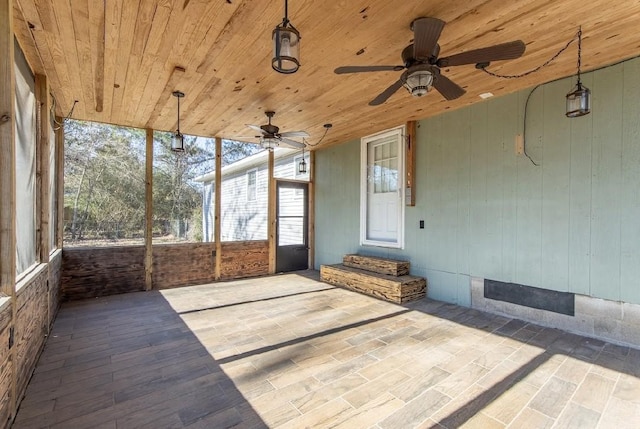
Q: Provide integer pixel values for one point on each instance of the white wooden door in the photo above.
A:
(383, 183)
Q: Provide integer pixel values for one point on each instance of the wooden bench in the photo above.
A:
(376, 280)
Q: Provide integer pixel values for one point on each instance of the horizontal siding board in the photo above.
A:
(244, 259)
(183, 264)
(93, 272)
(96, 272)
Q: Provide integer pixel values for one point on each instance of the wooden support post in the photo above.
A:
(59, 182)
(271, 222)
(148, 212)
(43, 206)
(7, 182)
(312, 209)
(411, 163)
(217, 210)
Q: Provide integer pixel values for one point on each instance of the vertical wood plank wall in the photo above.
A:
(570, 224)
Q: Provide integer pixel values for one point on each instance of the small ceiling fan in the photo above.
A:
(271, 137)
(423, 65)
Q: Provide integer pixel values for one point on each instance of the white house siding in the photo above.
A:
(241, 219)
(207, 211)
(291, 230)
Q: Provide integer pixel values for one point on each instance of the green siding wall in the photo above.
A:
(570, 224)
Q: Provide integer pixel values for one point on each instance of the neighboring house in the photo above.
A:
(245, 194)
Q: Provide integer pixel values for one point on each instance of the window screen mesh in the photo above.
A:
(25, 164)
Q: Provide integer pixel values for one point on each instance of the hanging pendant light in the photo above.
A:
(286, 45)
(302, 165)
(177, 142)
(579, 100)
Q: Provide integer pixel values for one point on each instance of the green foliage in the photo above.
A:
(105, 181)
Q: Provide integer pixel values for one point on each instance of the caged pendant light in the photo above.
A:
(579, 100)
(302, 165)
(177, 142)
(286, 45)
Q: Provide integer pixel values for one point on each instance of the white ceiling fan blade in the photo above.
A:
(292, 143)
(256, 128)
(244, 139)
(295, 134)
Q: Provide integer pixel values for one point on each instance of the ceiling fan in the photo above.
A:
(271, 137)
(423, 65)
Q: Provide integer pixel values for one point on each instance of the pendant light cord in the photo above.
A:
(178, 97)
(53, 113)
(578, 36)
(285, 21)
(327, 127)
(579, 53)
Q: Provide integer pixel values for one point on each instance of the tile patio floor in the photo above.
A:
(290, 352)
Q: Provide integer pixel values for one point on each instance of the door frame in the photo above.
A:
(364, 178)
(302, 184)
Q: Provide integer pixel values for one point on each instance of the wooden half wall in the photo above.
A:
(37, 304)
(97, 271)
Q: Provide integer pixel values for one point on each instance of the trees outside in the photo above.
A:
(104, 193)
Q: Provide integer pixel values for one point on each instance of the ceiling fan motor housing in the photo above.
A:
(408, 60)
(270, 129)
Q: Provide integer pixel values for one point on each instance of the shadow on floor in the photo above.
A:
(129, 361)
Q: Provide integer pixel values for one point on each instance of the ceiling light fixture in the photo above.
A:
(177, 143)
(286, 45)
(418, 80)
(579, 100)
(302, 166)
(269, 143)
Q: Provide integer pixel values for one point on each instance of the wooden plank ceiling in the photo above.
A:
(121, 59)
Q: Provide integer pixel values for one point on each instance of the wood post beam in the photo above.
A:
(218, 209)
(7, 181)
(43, 206)
(7, 152)
(148, 211)
(410, 144)
(59, 130)
(271, 209)
(312, 209)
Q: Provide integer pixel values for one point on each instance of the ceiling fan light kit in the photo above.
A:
(419, 81)
(269, 143)
(286, 45)
(177, 141)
